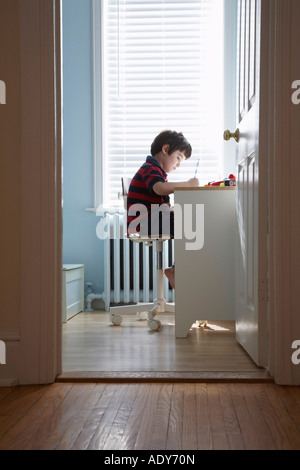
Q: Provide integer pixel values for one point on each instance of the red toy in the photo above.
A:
(230, 181)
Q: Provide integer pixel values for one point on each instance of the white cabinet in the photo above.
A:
(204, 278)
(73, 290)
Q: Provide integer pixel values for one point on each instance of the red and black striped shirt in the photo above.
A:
(141, 187)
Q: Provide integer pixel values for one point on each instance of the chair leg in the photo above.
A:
(159, 303)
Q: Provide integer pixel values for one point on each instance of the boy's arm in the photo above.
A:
(163, 189)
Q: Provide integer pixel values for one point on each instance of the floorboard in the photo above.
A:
(150, 416)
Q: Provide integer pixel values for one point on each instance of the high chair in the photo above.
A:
(145, 310)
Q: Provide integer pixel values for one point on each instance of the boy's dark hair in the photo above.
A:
(175, 140)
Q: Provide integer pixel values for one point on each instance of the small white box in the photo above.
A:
(73, 290)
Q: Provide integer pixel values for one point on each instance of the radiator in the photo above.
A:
(130, 267)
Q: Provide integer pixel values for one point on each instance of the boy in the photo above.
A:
(150, 187)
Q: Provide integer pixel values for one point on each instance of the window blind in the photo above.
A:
(162, 69)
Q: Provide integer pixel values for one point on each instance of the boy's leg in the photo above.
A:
(170, 275)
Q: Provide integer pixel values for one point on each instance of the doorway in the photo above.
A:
(40, 328)
(84, 326)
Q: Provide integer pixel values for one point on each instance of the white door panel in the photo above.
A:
(251, 311)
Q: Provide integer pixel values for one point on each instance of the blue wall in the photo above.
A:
(80, 243)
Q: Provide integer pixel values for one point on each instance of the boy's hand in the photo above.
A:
(193, 182)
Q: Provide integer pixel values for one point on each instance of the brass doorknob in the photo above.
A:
(229, 135)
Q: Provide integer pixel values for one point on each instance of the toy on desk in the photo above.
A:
(230, 181)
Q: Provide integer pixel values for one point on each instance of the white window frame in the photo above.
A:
(230, 21)
(97, 37)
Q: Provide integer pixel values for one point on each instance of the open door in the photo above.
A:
(251, 195)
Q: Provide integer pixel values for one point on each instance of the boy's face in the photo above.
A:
(173, 160)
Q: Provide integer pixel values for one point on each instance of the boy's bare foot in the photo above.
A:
(170, 274)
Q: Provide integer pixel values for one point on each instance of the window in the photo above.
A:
(161, 68)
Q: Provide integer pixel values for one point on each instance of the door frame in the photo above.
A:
(41, 318)
(284, 203)
(40, 351)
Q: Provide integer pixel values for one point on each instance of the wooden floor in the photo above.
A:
(152, 416)
(204, 393)
(93, 347)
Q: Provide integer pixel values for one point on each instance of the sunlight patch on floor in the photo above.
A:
(209, 326)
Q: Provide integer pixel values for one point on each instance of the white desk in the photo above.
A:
(205, 278)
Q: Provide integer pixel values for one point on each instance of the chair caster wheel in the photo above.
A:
(142, 315)
(154, 324)
(116, 319)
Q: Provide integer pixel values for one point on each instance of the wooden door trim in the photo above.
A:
(41, 218)
(284, 170)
